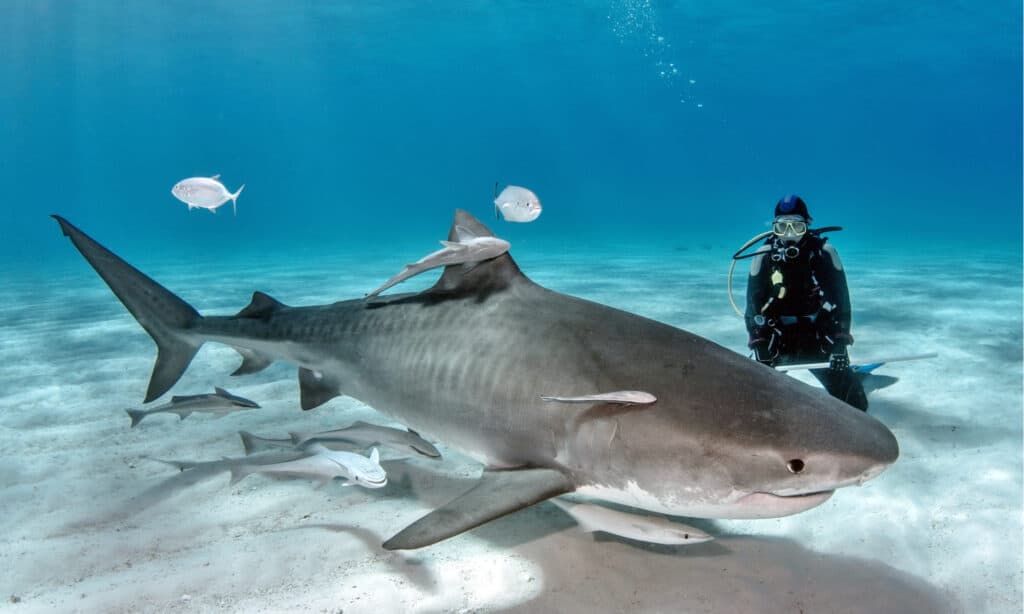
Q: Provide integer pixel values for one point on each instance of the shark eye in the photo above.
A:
(795, 465)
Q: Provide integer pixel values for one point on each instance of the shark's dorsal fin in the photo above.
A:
(496, 494)
(493, 274)
(261, 307)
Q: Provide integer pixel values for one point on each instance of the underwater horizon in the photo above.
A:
(657, 134)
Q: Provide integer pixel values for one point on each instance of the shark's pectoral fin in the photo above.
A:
(496, 494)
(621, 397)
(315, 388)
(252, 362)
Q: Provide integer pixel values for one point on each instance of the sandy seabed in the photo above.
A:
(939, 531)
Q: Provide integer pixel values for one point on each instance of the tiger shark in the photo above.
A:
(552, 394)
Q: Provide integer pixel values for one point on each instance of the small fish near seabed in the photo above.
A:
(205, 193)
(371, 434)
(637, 527)
(357, 436)
(322, 465)
(516, 204)
(220, 403)
(468, 250)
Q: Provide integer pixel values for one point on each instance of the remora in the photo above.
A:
(469, 359)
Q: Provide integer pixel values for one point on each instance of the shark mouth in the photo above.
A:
(768, 505)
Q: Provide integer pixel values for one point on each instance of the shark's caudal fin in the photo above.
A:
(165, 317)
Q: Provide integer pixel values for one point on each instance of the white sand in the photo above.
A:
(940, 531)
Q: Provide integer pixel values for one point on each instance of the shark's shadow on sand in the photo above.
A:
(734, 573)
(581, 572)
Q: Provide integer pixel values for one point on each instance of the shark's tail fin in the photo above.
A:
(136, 415)
(165, 317)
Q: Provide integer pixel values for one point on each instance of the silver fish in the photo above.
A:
(516, 204)
(221, 403)
(205, 193)
(638, 527)
(322, 465)
(366, 433)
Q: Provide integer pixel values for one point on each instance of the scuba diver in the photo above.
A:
(798, 303)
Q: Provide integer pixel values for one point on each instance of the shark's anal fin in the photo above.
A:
(496, 494)
(315, 389)
(621, 397)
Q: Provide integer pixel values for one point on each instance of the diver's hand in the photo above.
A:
(838, 362)
(762, 350)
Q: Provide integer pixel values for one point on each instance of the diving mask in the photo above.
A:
(790, 227)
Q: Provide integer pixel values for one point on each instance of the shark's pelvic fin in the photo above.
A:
(159, 311)
(496, 494)
(621, 397)
(315, 389)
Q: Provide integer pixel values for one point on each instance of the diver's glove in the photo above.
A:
(839, 362)
(764, 350)
(835, 343)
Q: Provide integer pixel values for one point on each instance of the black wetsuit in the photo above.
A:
(798, 311)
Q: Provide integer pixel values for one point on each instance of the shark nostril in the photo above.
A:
(795, 465)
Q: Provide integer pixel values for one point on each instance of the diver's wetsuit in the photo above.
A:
(798, 311)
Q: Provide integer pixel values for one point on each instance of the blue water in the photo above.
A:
(632, 120)
(658, 135)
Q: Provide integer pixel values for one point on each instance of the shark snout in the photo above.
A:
(879, 448)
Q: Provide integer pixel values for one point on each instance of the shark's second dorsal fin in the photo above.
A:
(490, 275)
(261, 306)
